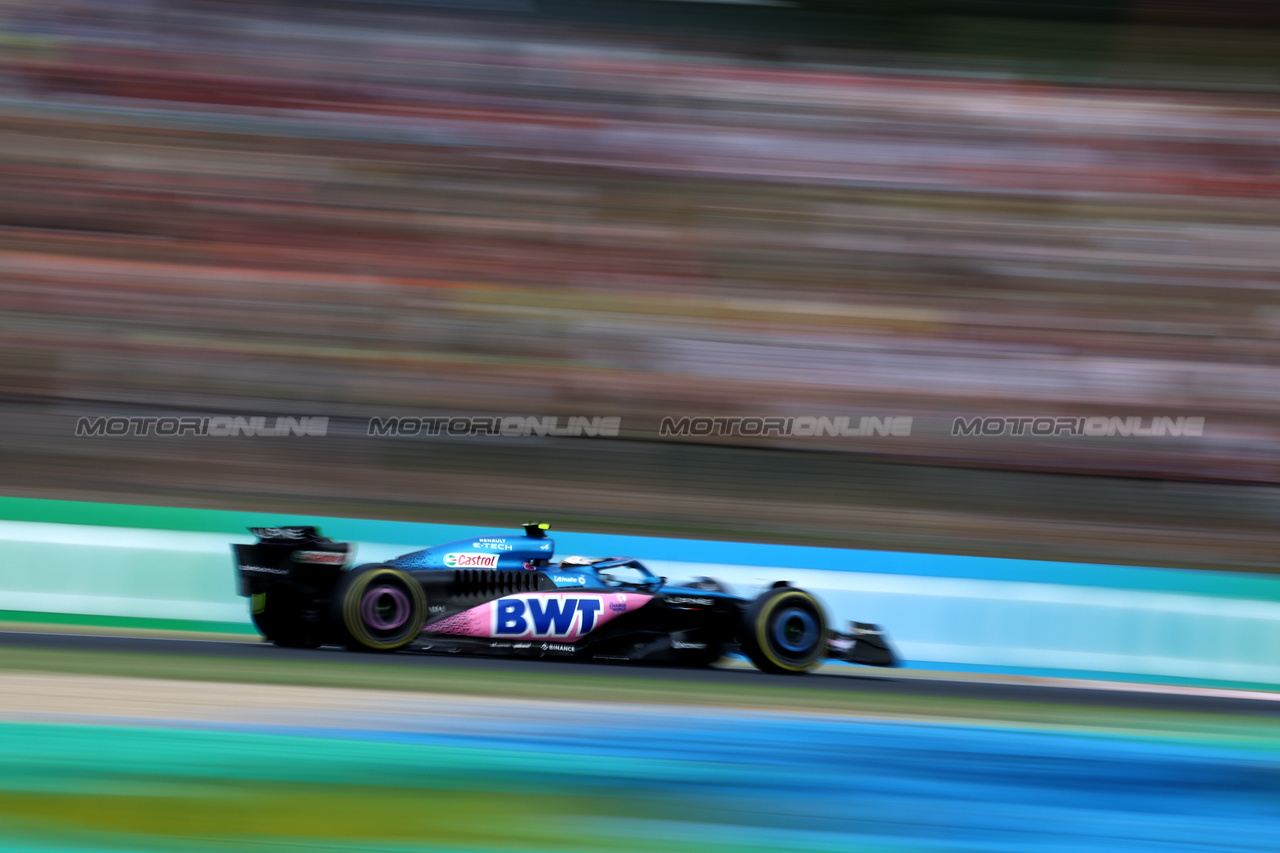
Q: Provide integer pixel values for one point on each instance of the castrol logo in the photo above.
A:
(471, 561)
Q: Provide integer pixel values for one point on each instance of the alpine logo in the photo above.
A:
(471, 561)
(545, 617)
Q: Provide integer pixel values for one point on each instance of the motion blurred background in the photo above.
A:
(931, 209)
(924, 209)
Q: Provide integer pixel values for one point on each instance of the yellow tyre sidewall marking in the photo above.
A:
(351, 607)
(762, 620)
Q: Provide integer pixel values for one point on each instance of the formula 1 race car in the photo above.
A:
(508, 596)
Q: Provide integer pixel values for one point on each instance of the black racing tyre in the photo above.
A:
(784, 631)
(277, 613)
(381, 608)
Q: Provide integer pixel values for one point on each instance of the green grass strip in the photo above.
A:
(125, 622)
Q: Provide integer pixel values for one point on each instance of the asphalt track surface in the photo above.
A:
(868, 681)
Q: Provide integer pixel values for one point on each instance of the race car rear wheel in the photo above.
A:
(277, 613)
(784, 631)
(382, 608)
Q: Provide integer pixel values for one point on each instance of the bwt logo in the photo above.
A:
(471, 561)
(567, 616)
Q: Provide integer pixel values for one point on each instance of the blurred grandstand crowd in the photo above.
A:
(351, 209)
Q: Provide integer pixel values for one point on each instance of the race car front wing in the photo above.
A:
(865, 644)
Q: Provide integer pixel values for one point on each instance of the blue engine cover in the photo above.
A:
(483, 552)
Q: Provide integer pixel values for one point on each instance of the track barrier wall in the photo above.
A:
(941, 612)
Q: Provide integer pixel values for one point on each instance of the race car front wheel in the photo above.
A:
(784, 631)
(382, 608)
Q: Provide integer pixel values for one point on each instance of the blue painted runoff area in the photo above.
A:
(715, 781)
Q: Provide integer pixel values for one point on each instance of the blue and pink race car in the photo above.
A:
(508, 595)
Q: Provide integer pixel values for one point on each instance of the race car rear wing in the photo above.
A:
(297, 554)
(288, 534)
